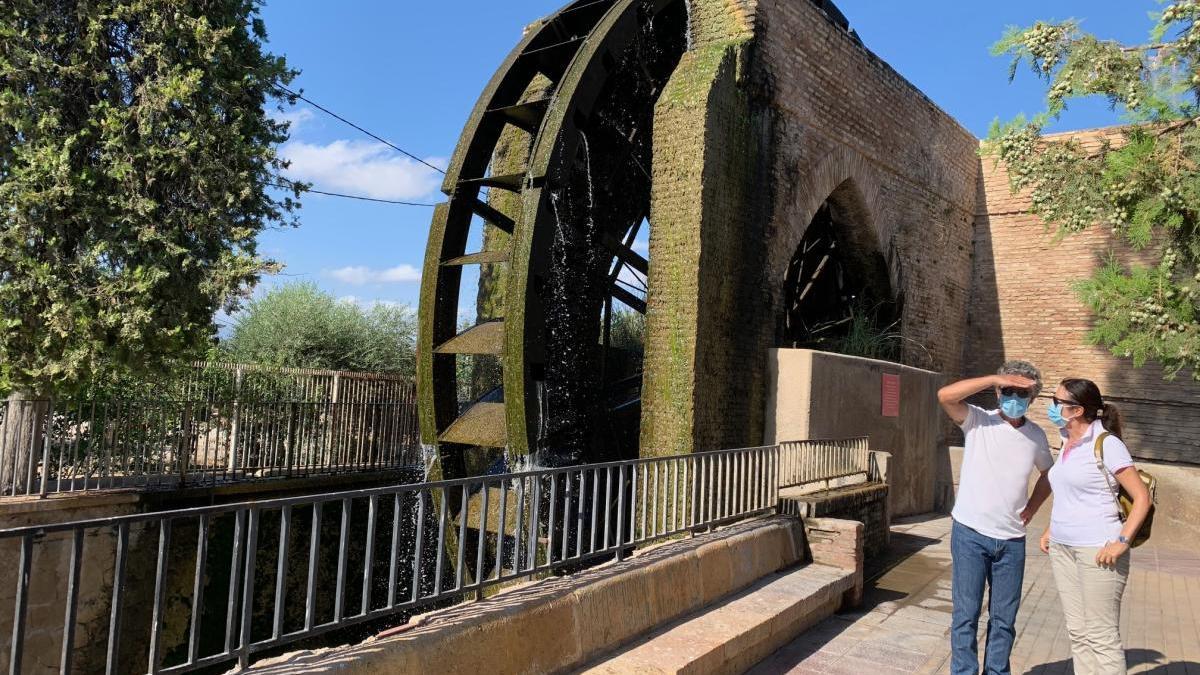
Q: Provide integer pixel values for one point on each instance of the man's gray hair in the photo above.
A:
(1024, 369)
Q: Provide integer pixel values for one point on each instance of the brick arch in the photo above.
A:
(852, 184)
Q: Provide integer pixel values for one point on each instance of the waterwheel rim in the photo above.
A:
(584, 50)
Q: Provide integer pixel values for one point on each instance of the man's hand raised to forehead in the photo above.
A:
(951, 396)
(1017, 381)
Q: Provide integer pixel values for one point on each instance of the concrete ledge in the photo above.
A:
(737, 633)
(58, 508)
(556, 624)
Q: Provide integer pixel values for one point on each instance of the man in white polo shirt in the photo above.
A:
(991, 510)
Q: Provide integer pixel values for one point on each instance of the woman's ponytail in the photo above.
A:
(1111, 419)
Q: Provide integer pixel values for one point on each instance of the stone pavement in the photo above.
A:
(903, 625)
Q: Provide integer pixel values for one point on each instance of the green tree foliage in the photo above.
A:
(135, 162)
(298, 325)
(628, 330)
(1144, 186)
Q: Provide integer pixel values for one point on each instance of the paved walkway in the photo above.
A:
(903, 625)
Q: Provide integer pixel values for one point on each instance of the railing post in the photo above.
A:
(46, 447)
(30, 457)
(185, 442)
(234, 426)
(243, 655)
(21, 604)
(289, 440)
(335, 433)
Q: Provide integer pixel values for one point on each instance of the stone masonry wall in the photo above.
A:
(843, 114)
(1023, 306)
(775, 110)
(865, 503)
(703, 128)
(50, 569)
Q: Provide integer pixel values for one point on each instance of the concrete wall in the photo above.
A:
(820, 395)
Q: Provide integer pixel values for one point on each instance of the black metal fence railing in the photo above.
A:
(179, 590)
(50, 447)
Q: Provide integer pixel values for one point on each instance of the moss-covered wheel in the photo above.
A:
(552, 172)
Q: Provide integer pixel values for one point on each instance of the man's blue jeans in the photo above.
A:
(1001, 564)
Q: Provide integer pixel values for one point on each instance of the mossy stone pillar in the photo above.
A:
(704, 375)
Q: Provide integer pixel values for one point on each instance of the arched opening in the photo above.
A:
(837, 293)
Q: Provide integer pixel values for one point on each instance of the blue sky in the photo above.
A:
(410, 71)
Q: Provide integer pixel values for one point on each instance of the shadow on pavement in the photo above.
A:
(901, 547)
(1133, 658)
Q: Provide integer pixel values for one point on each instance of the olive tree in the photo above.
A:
(299, 325)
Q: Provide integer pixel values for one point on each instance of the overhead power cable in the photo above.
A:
(358, 197)
(329, 112)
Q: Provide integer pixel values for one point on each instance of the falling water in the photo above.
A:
(687, 8)
(428, 457)
(587, 154)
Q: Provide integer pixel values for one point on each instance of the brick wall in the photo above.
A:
(669, 383)
(775, 110)
(845, 114)
(837, 542)
(1023, 306)
(865, 503)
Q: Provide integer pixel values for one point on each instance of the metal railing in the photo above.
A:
(222, 583)
(817, 464)
(50, 448)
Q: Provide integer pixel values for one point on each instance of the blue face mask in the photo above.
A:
(1013, 406)
(1054, 412)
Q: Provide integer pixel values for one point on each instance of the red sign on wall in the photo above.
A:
(891, 395)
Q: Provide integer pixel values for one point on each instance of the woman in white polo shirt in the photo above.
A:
(1087, 542)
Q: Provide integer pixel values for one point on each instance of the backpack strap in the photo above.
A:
(1098, 451)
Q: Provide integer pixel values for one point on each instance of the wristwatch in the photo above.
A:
(1123, 539)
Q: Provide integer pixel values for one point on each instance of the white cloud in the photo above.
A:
(358, 275)
(297, 117)
(360, 168)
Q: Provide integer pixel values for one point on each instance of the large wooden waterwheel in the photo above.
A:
(581, 85)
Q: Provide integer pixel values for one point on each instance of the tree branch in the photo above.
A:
(1146, 48)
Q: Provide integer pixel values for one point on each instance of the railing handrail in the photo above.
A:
(88, 445)
(290, 370)
(817, 441)
(213, 401)
(279, 502)
(542, 519)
